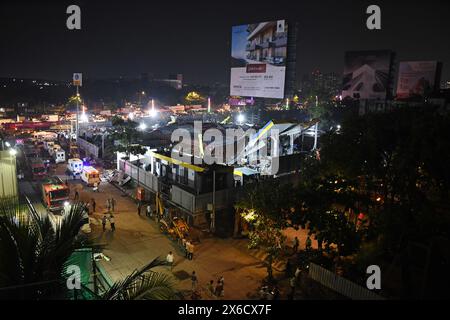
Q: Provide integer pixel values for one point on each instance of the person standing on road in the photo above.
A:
(108, 205)
(139, 208)
(222, 284)
(169, 260)
(190, 250)
(184, 245)
(219, 288)
(308, 244)
(295, 244)
(93, 205)
(112, 222)
(113, 203)
(210, 287)
(77, 196)
(149, 211)
(319, 241)
(104, 222)
(194, 281)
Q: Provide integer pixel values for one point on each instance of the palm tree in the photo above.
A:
(34, 249)
(35, 253)
(144, 284)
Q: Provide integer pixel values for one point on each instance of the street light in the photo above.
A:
(241, 118)
(152, 111)
(142, 126)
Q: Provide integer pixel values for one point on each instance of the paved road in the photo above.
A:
(137, 240)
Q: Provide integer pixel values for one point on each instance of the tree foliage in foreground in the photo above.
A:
(33, 249)
(35, 252)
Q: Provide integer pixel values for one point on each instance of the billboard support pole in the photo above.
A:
(213, 215)
(78, 111)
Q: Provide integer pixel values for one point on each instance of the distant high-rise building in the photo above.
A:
(173, 80)
(317, 82)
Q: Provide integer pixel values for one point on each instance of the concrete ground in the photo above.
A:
(137, 240)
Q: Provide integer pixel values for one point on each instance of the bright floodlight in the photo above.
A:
(7, 144)
(13, 152)
(142, 126)
(241, 118)
(84, 117)
(339, 127)
(153, 112)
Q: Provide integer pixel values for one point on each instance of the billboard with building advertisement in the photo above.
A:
(417, 78)
(367, 74)
(258, 59)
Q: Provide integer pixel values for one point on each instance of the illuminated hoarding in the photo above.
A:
(258, 59)
(416, 78)
(237, 101)
(367, 74)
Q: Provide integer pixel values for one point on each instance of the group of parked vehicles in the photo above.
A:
(43, 148)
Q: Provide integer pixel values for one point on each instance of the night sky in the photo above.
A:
(127, 38)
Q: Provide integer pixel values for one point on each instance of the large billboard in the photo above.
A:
(417, 78)
(367, 74)
(258, 59)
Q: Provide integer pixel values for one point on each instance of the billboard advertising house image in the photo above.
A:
(367, 74)
(417, 78)
(258, 59)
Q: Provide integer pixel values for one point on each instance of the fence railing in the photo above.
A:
(341, 285)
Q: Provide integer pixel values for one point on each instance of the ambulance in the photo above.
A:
(75, 166)
(90, 175)
(59, 156)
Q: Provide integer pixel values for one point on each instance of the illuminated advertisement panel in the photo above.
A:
(416, 78)
(258, 59)
(366, 74)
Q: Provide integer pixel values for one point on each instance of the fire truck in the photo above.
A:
(37, 168)
(55, 194)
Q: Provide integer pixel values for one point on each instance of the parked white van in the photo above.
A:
(75, 166)
(59, 156)
(90, 175)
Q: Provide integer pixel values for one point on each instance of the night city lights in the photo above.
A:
(225, 158)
